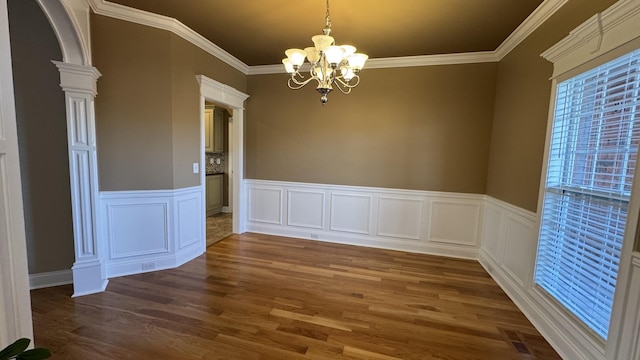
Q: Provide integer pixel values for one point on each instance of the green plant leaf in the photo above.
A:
(14, 349)
(34, 354)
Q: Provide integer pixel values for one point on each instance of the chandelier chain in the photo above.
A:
(328, 18)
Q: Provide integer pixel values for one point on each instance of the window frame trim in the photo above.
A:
(602, 38)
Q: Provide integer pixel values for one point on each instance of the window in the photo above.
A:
(592, 159)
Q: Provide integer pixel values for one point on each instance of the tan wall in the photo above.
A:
(147, 108)
(42, 139)
(187, 62)
(133, 106)
(425, 128)
(522, 107)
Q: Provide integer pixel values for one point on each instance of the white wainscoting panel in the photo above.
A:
(152, 230)
(188, 221)
(265, 205)
(306, 209)
(492, 241)
(455, 222)
(135, 230)
(520, 250)
(351, 213)
(400, 217)
(375, 217)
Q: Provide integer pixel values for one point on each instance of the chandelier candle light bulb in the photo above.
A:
(330, 64)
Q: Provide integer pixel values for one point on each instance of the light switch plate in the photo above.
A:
(196, 168)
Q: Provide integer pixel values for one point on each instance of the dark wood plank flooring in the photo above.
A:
(266, 297)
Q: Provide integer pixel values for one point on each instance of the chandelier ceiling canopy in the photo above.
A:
(328, 64)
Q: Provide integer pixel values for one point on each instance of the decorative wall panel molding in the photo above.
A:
(521, 248)
(265, 205)
(306, 209)
(376, 217)
(400, 217)
(152, 230)
(137, 229)
(452, 222)
(351, 213)
(188, 232)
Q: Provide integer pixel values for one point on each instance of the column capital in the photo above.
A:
(78, 78)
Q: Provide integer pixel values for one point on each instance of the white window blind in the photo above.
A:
(592, 159)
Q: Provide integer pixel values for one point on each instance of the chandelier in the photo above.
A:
(329, 64)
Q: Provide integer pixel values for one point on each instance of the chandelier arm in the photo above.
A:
(349, 85)
(294, 84)
(302, 81)
(342, 86)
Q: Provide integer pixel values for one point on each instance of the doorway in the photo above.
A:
(213, 92)
(218, 154)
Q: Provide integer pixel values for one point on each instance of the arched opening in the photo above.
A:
(78, 81)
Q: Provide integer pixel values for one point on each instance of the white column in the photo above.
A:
(79, 85)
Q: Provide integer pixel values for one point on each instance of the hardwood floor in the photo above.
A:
(265, 297)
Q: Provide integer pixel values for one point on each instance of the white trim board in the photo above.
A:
(528, 26)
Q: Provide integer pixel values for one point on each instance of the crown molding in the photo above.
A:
(531, 23)
(398, 62)
(117, 11)
(541, 14)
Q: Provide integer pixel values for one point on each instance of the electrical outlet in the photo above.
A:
(218, 161)
(211, 161)
(196, 168)
(148, 266)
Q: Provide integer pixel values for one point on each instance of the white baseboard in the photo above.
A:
(50, 279)
(397, 244)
